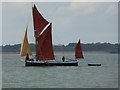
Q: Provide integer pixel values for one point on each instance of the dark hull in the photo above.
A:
(32, 63)
(94, 64)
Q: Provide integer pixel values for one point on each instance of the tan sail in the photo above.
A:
(25, 48)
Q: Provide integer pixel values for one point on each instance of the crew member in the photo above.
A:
(63, 58)
(27, 57)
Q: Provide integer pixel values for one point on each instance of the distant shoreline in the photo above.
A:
(90, 47)
(91, 52)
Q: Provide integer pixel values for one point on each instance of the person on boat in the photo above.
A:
(63, 58)
(27, 57)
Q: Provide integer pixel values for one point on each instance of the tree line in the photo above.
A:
(105, 47)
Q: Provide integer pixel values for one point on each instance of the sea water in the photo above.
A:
(16, 75)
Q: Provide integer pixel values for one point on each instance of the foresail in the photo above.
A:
(25, 48)
(78, 51)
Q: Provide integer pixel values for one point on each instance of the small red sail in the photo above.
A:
(45, 49)
(78, 51)
(39, 22)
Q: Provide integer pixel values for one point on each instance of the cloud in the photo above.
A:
(59, 0)
(87, 8)
(0, 23)
(83, 8)
(112, 9)
(94, 0)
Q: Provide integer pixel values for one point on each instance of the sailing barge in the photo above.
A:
(44, 48)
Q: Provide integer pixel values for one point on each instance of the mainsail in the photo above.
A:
(25, 48)
(78, 51)
(45, 49)
(43, 35)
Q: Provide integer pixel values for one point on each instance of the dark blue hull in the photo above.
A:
(51, 63)
(94, 64)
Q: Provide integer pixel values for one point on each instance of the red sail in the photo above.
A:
(39, 22)
(45, 49)
(78, 51)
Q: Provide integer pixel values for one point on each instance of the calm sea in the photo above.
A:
(16, 75)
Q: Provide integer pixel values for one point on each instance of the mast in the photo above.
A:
(78, 51)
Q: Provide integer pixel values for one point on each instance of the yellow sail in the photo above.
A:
(25, 48)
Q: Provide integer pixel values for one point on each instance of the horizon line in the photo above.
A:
(67, 44)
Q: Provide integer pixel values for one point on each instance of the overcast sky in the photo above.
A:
(71, 21)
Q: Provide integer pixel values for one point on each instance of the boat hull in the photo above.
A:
(94, 64)
(33, 63)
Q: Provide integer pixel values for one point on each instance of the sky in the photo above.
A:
(90, 22)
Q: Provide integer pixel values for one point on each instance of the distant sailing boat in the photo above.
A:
(78, 51)
(43, 39)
